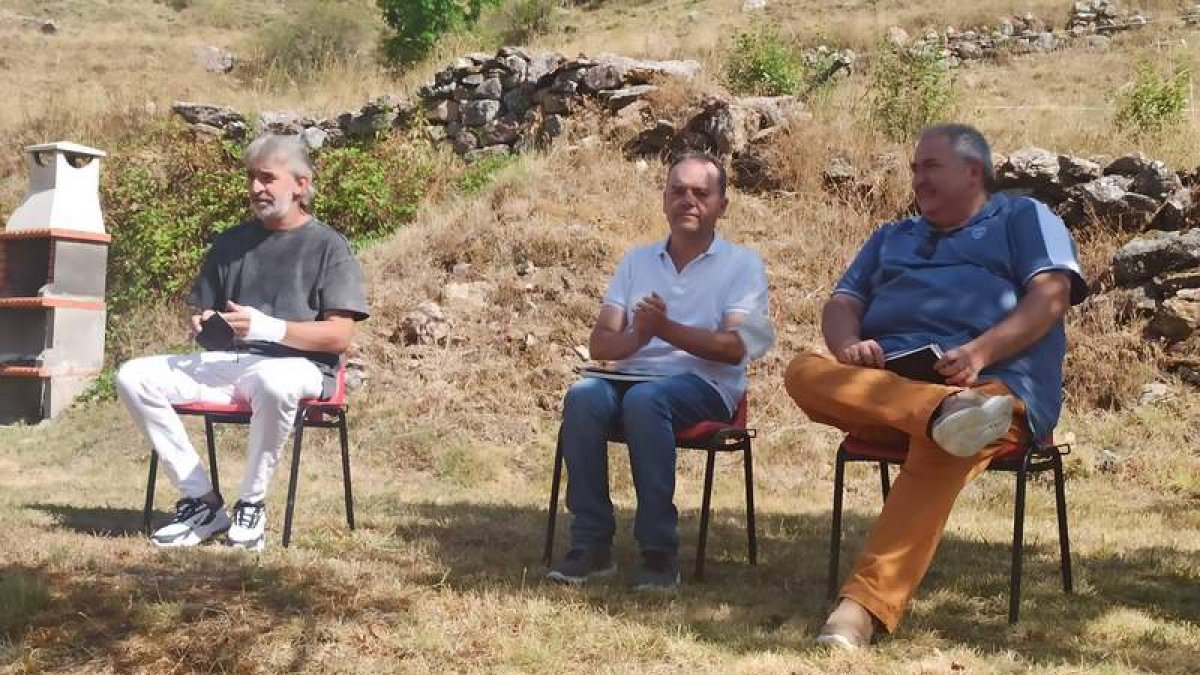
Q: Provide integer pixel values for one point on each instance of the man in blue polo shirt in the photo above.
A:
(688, 312)
(987, 278)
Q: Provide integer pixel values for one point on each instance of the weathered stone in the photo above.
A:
(427, 324)
(517, 102)
(490, 151)
(473, 80)
(489, 89)
(1156, 181)
(655, 139)
(554, 126)
(1075, 170)
(369, 124)
(1108, 199)
(603, 77)
(503, 131)
(838, 173)
(543, 65)
(1130, 165)
(753, 5)
(206, 131)
(1178, 316)
(464, 142)
(1173, 214)
(1137, 302)
(636, 71)
(442, 112)
(314, 137)
(511, 51)
(214, 59)
(479, 113)
(1045, 42)
(283, 122)
(560, 104)
(1145, 258)
(619, 98)
(1171, 283)
(775, 110)
(1034, 169)
(203, 113)
(435, 134)
(564, 86)
(727, 125)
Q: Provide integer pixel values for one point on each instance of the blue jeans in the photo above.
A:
(650, 413)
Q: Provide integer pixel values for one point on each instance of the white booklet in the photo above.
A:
(630, 375)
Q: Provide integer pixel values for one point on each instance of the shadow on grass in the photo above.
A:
(188, 613)
(98, 521)
(964, 599)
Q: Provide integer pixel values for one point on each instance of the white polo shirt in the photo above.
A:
(725, 279)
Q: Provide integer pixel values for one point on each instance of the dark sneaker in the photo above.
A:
(659, 571)
(249, 526)
(195, 522)
(579, 565)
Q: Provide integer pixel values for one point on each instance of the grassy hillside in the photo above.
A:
(453, 442)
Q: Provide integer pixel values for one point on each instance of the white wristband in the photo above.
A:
(265, 328)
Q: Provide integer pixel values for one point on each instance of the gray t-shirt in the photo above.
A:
(293, 275)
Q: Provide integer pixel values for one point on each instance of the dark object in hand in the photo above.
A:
(916, 364)
(215, 333)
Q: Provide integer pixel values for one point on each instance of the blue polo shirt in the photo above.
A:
(921, 286)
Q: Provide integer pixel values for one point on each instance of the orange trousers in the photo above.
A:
(879, 406)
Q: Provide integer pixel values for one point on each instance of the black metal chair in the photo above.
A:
(1021, 460)
(329, 413)
(712, 437)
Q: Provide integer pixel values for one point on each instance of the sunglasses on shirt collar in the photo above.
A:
(929, 245)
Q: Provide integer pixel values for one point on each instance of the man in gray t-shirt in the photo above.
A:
(289, 290)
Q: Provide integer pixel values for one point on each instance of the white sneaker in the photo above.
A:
(195, 522)
(249, 528)
(969, 422)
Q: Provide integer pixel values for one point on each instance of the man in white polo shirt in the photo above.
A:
(691, 311)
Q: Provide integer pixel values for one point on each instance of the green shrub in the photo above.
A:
(910, 89)
(761, 63)
(1157, 100)
(481, 173)
(521, 20)
(312, 35)
(418, 24)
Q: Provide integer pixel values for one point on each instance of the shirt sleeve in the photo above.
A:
(620, 284)
(857, 280)
(748, 292)
(1039, 242)
(341, 283)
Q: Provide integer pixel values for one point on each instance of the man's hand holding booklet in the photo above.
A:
(916, 364)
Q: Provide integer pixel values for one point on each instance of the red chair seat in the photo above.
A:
(702, 431)
(897, 454)
(336, 401)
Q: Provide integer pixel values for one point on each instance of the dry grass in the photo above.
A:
(452, 442)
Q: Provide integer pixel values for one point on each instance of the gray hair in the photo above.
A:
(292, 153)
(970, 145)
(722, 176)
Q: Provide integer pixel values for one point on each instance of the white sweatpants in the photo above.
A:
(150, 385)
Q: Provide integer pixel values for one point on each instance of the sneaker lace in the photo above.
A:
(246, 514)
(186, 508)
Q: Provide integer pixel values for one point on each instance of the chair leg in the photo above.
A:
(835, 534)
(211, 440)
(552, 511)
(1064, 537)
(1018, 546)
(885, 480)
(344, 438)
(705, 504)
(149, 509)
(298, 438)
(751, 532)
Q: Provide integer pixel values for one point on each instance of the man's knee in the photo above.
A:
(804, 377)
(590, 395)
(644, 401)
(274, 389)
(135, 374)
